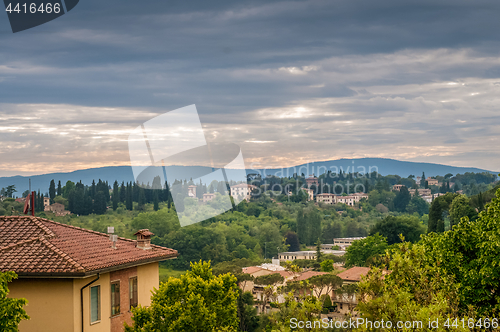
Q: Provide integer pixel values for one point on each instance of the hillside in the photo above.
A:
(124, 173)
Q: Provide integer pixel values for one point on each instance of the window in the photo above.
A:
(95, 304)
(132, 286)
(115, 298)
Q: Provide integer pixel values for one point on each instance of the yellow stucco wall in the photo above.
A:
(104, 324)
(148, 278)
(54, 304)
(50, 304)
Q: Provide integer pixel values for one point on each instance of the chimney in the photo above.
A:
(144, 239)
(111, 231)
(114, 239)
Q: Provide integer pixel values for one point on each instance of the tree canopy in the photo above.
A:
(360, 251)
(392, 227)
(452, 274)
(198, 301)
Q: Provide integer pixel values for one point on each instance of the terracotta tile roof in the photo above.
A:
(308, 274)
(285, 274)
(251, 269)
(354, 273)
(37, 246)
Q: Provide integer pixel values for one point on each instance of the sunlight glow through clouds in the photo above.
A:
(402, 111)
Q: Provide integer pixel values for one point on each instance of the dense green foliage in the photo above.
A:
(438, 212)
(452, 274)
(11, 310)
(392, 227)
(198, 301)
(363, 252)
(461, 207)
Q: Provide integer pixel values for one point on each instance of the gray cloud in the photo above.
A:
(290, 81)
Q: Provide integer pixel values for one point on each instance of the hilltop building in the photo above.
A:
(432, 182)
(242, 190)
(208, 197)
(345, 242)
(307, 254)
(349, 200)
(192, 191)
(421, 192)
(311, 180)
(57, 209)
(397, 187)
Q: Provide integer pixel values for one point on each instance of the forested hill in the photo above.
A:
(124, 173)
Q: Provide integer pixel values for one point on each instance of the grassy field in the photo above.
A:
(166, 273)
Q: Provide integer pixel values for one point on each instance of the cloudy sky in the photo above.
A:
(288, 81)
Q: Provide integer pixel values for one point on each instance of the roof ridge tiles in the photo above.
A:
(42, 226)
(98, 233)
(63, 255)
(81, 229)
(13, 245)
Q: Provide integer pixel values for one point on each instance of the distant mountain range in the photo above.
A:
(124, 173)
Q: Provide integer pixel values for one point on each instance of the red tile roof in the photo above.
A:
(285, 274)
(354, 273)
(251, 269)
(37, 246)
(308, 274)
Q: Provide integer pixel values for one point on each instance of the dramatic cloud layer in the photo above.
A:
(289, 81)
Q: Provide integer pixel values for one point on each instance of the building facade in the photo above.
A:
(242, 190)
(61, 267)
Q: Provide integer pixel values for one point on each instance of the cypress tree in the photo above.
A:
(318, 251)
(59, 188)
(221, 187)
(179, 203)
(142, 199)
(100, 203)
(123, 193)
(302, 230)
(88, 204)
(367, 187)
(480, 201)
(41, 203)
(52, 191)
(116, 195)
(313, 221)
(135, 192)
(128, 201)
(156, 201)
